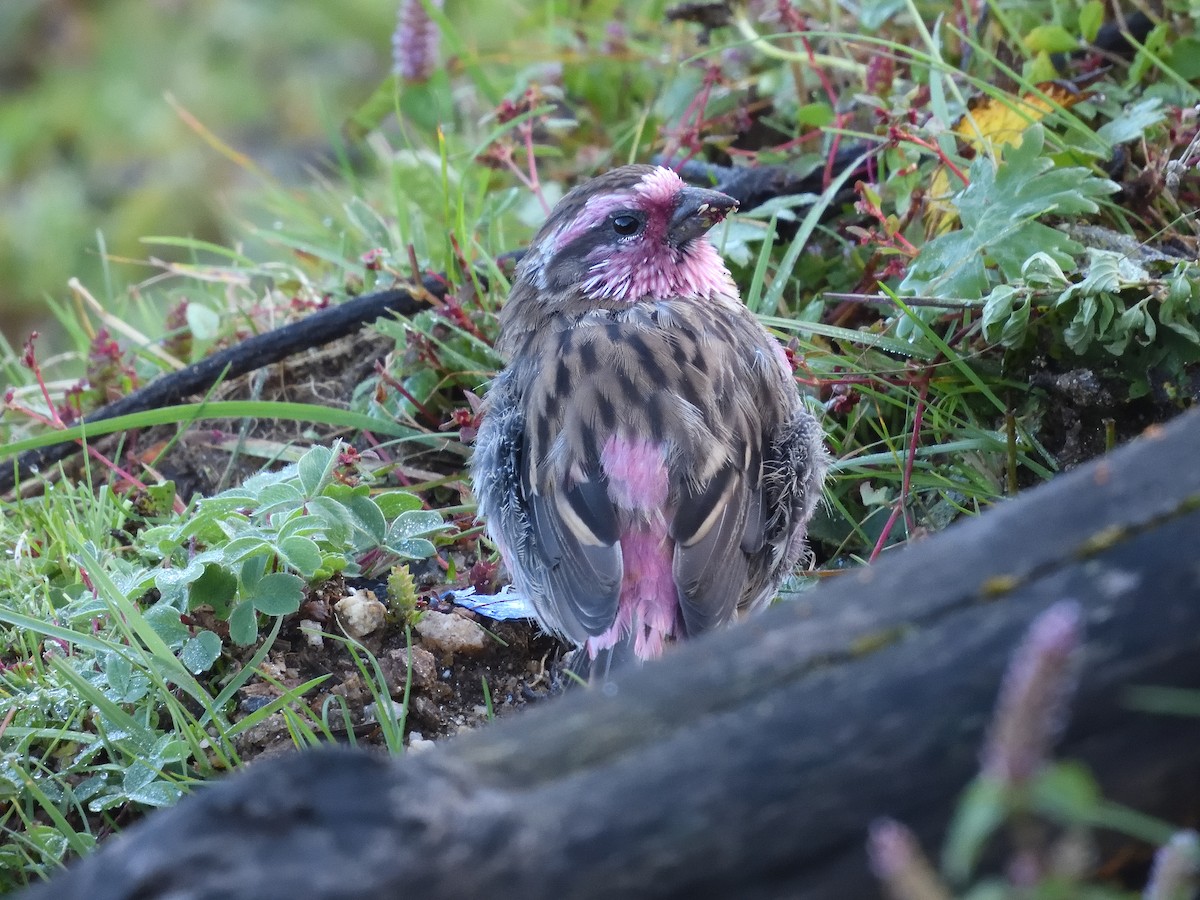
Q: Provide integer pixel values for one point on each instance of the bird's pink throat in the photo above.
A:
(658, 272)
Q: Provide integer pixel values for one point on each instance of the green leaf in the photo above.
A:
(1135, 323)
(314, 467)
(1039, 68)
(1006, 315)
(1091, 17)
(1176, 311)
(1042, 271)
(412, 548)
(203, 322)
(999, 232)
(247, 547)
(161, 498)
(157, 794)
(680, 93)
(333, 516)
(278, 594)
(118, 671)
(814, 115)
(283, 495)
(1050, 39)
(415, 522)
(300, 523)
(301, 554)
(1065, 792)
(1133, 122)
(172, 584)
(217, 588)
(164, 619)
(1152, 47)
(200, 652)
(1185, 58)
(393, 503)
(367, 517)
(982, 809)
(243, 624)
(253, 569)
(874, 13)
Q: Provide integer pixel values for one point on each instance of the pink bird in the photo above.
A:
(645, 464)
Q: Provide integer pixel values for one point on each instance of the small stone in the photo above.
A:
(360, 613)
(424, 667)
(312, 633)
(352, 688)
(425, 711)
(450, 633)
(371, 711)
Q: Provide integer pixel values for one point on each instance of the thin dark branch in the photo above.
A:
(315, 330)
(885, 300)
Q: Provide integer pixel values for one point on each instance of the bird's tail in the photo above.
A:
(580, 667)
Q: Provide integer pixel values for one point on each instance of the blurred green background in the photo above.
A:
(90, 143)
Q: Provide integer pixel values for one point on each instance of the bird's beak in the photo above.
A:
(696, 211)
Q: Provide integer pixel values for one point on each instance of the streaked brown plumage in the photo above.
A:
(645, 462)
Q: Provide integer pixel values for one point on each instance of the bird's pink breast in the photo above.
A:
(637, 483)
(637, 473)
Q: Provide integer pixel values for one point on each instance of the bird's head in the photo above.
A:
(635, 233)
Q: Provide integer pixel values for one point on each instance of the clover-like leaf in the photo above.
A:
(277, 594)
(243, 624)
(314, 467)
(200, 652)
(301, 554)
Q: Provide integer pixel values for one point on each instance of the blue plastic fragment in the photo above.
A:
(502, 606)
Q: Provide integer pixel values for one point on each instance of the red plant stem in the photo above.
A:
(898, 134)
(127, 477)
(34, 366)
(831, 159)
(839, 119)
(530, 160)
(906, 483)
(694, 112)
(777, 148)
(430, 418)
(830, 95)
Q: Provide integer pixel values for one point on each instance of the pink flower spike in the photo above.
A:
(1032, 710)
(897, 861)
(415, 41)
(1176, 865)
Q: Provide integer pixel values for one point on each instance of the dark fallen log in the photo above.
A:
(747, 764)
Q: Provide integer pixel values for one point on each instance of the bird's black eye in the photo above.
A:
(626, 225)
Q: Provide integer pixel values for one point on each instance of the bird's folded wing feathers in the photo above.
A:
(709, 527)
(574, 535)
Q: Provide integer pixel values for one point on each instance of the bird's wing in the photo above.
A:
(709, 566)
(560, 543)
(574, 536)
(793, 470)
(739, 532)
